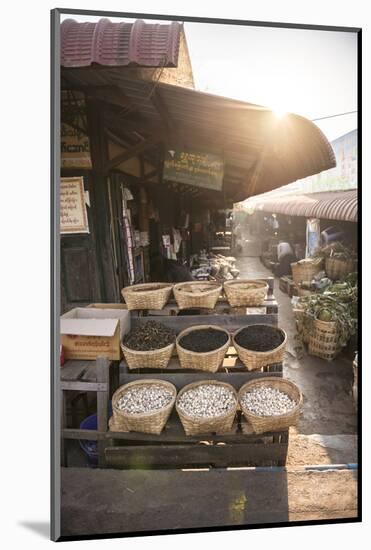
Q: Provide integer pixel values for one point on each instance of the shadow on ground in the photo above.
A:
(108, 501)
(41, 528)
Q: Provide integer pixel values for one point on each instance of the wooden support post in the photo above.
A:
(99, 194)
(63, 425)
(102, 406)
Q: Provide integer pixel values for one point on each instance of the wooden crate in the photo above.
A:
(284, 284)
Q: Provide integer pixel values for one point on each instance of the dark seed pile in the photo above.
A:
(203, 340)
(149, 336)
(259, 338)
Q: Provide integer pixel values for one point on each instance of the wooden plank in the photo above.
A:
(74, 370)
(230, 364)
(195, 455)
(221, 307)
(76, 433)
(83, 386)
(180, 380)
(173, 433)
(229, 322)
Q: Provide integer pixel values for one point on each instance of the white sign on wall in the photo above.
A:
(73, 214)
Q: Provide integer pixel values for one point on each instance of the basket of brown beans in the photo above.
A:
(148, 345)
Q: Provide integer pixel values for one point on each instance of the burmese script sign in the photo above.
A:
(73, 214)
(75, 149)
(197, 169)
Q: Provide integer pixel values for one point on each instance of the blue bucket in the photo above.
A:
(90, 448)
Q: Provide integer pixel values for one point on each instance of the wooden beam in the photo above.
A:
(130, 153)
(149, 175)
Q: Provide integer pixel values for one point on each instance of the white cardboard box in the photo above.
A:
(87, 333)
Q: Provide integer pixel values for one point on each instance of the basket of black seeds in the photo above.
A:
(207, 406)
(149, 345)
(260, 345)
(142, 406)
(202, 347)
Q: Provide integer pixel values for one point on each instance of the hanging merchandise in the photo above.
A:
(313, 237)
(129, 246)
(167, 245)
(177, 240)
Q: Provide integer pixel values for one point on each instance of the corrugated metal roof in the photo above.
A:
(293, 147)
(119, 44)
(331, 205)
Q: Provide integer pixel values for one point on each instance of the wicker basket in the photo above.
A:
(261, 424)
(152, 422)
(305, 270)
(154, 359)
(198, 425)
(337, 268)
(203, 294)
(207, 361)
(299, 315)
(254, 360)
(324, 340)
(245, 292)
(147, 295)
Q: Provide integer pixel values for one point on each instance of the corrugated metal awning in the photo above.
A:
(260, 151)
(119, 44)
(331, 205)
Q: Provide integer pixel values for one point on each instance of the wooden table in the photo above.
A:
(173, 448)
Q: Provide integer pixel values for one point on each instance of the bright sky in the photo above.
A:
(311, 73)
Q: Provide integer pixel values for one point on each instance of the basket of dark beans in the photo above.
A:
(142, 406)
(148, 345)
(202, 347)
(260, 345)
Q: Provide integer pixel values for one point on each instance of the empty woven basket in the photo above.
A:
(245, 292)
(324, 340)
(147, 295)
(197, 294)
